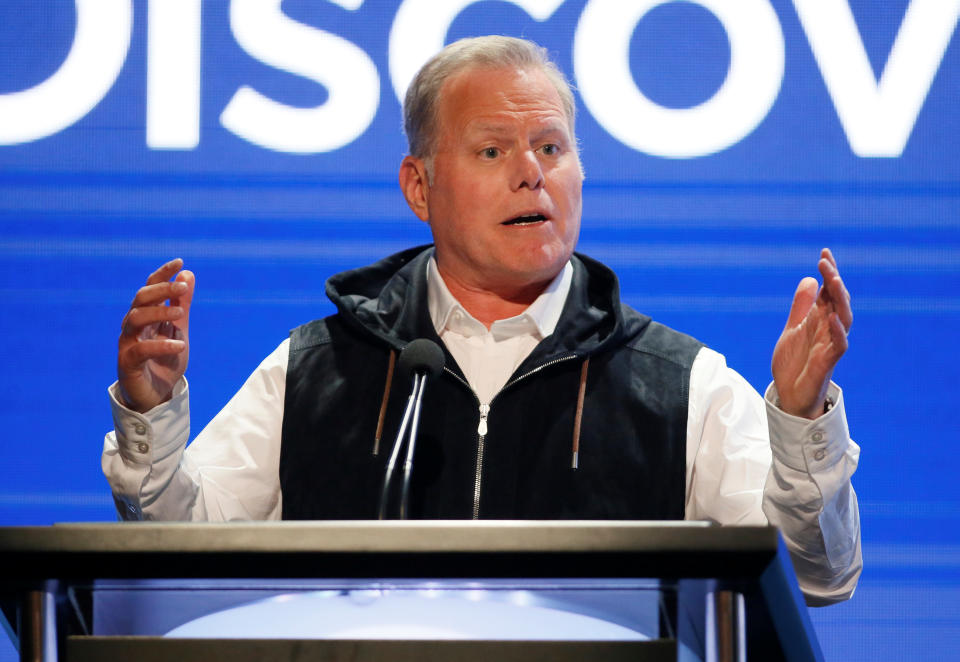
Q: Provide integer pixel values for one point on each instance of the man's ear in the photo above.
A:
(415, 186)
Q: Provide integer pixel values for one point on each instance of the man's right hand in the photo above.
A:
(154, 344)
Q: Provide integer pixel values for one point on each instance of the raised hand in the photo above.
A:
(812, 342)
(154, 343)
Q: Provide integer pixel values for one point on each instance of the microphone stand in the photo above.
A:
(408, 465)
(419, 358)
(413, 408)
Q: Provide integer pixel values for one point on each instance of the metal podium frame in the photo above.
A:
(758, 611)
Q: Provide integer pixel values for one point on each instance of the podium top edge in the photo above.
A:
(515, 536)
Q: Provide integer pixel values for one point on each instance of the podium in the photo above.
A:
(505, 590)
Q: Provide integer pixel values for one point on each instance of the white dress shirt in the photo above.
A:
(747, 461)
(488, 358)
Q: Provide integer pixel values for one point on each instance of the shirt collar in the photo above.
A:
(540, 318)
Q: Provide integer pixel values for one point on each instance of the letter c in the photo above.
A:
(601, 61)
(96, 57)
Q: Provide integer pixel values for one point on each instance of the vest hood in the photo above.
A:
(388, 299)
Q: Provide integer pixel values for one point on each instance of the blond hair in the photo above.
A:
(422, 101)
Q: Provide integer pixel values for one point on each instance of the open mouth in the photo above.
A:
(529, 219)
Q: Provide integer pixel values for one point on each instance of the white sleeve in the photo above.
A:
(231, 471)
(750, 463)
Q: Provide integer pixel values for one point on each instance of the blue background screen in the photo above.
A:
(177, 130)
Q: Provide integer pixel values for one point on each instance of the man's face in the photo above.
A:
(504, 205)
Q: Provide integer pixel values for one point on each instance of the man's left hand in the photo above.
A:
(812, 342)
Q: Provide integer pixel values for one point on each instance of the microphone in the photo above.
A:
(419, 359)
(421, 356)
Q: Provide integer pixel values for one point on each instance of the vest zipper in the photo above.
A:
(560, 359)
(481, 436)
(485, 414)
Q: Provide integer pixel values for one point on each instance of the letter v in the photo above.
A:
(878, 117)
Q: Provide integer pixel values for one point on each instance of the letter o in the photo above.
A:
(601, 60)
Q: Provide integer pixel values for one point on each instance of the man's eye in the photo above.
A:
(490, 153)
(550, 149)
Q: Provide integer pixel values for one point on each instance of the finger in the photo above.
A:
(136, 354)
(827, 254)
(157, 293)
(841, 302)
(165, 272)
(838, 337)
(834, 293)
(829, 270)
(184, 295)
(803, 300)
(138, 318)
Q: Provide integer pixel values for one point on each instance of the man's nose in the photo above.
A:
(527, 171)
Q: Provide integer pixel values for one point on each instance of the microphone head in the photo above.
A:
(422, 356)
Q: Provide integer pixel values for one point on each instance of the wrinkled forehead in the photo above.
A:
(480, 93)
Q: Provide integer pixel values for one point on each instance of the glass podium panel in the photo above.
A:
(532, 618)
(476, 609)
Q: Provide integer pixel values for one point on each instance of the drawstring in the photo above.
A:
(386, 399)
(579, 415)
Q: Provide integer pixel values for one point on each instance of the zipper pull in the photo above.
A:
(482, 428)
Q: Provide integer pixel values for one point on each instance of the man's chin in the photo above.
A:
(535, 273)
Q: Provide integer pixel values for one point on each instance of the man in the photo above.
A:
(557, 401)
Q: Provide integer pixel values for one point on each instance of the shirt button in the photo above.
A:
(819, 455)
(817, 436)
(143, 447)
(140, 428)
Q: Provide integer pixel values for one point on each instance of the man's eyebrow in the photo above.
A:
(485, 127)
(551, 129)
(547, 129)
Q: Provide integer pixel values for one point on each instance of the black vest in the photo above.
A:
(632, 457)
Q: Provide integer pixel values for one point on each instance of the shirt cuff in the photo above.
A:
(150, 436)
(808, 445)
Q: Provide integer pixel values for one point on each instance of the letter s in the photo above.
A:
(348, 73)
(91, 67)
